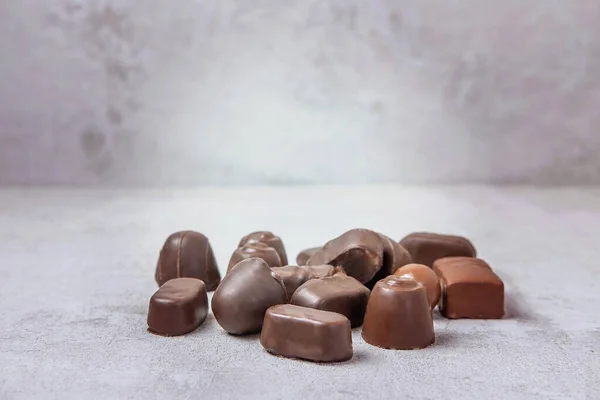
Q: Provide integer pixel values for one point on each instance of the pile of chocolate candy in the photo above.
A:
(307, 311)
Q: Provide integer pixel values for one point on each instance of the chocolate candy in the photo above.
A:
(293, 276)
(255, 250)
(270, 240)
(394, 257)
(299, 332)
(178, 307)
(425, 276)
(426, 247)
(241, 300)
(398, 315)
(187, 254)
(339, 293)
(470, 289)
(305, 254)
(359, 252)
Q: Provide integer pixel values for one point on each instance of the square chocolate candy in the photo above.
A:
(470, 289)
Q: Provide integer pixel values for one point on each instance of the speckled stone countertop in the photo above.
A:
(76, 273)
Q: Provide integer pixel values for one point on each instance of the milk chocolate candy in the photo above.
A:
(359, 252)
(304, 255)
(187, 254)
(298, 332)
(425, 276)
(241, 300)
(255, 250)
(178, 307)
(339, 293)
(270, 240)
(293, 277)
(470, 289)
(394, 257)
(398, 315)
(426, 247)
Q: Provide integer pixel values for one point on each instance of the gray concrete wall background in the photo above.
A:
(265, 91)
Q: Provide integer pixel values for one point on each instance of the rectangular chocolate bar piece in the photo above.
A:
(470, 289)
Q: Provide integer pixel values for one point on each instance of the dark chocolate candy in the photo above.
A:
(255, 250)
(359, 252)
(187, 254)
(424, 275)
(293, 277)
(178, 307)
(270, 240)
(305, 254)
(241, 300)
(339, 293)
(425, 247)
(398, 315)
(470, 289)
(299, 332)
(394, 257)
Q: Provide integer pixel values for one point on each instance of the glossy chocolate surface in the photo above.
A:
(470, 289)
(394, 257)
(298, 332)
(426, 247)
(339, 293)
(304, 255)
(359, 252)
(293, 277)
(268, 238)
(178, 307)
(398, 315)
(241, 300)
(187, 254)
(424, 275)
(255, 250)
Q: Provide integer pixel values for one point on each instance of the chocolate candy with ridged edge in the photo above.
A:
(187, 254)
(241, 300)
(359, 252)
(268, 238)
(304, 255)
(293, 277)
(255, 250)
(178, 307)
(398, 315)
(298, 332)
(339, 293)
(426, 247)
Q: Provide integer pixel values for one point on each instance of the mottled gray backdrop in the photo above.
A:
(299, 91)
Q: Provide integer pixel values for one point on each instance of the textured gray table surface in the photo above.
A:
(76, 273)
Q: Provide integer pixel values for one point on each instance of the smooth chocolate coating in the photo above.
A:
(359, 252)
(178, 307)
(293, 277)
(187, 254)
(304, 255)
(255, 250)
(398, 315)
(241, 300)
(299, 332)
(339, 293)
(425, 247)
(425, 276)
(470, 289)
(268, 238)
(394, 257)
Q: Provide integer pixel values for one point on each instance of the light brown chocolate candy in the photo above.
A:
(470, 289)
(304, 255)
(268, 238)
(398, 315)
(293, 277)
(255, 250)
(425, 275)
